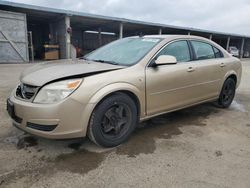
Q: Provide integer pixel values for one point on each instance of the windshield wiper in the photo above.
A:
(100, 60)
(104, 61)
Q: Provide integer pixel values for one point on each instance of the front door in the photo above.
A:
(170, 86)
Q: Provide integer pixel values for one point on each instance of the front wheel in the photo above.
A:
(227, 93)
(113, 120)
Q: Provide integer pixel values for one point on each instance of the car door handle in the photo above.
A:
(222, 64)
(190, 69)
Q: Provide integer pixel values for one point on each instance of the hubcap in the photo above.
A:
(116, 120)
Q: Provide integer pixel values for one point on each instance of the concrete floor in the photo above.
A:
(199, 147)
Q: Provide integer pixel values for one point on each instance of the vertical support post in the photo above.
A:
(67, 37)
(242, 47)
(100, 36)
(31, 46)
(189, 33)
(228, 43)
(121, 31)
(82, 43)
(160, 31)
(210, 37)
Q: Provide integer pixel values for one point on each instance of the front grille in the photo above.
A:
(25, 91)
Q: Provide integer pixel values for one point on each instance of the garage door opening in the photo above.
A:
(38, 37)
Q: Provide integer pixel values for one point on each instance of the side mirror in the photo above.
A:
(165, 59)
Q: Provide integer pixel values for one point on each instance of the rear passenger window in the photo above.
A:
(217, 53)
(203, 50)
(178, 49)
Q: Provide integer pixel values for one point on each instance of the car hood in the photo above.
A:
(43, 73)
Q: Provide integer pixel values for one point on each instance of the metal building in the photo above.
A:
(26, 30)
(13, 40)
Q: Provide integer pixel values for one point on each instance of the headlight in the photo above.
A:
(57, 91)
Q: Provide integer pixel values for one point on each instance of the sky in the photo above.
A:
(217, 15)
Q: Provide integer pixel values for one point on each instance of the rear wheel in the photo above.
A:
(113, 120)
(227, 93)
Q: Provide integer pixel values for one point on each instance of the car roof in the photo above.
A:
(163, 36)
(171, 37)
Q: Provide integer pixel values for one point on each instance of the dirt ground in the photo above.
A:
(202, 146)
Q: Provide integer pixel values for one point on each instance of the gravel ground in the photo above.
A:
(202, 146)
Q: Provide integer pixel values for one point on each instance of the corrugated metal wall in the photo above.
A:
(13, 38)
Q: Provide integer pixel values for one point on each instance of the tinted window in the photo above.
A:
(217, 53)
(203, 50)
(177, 49)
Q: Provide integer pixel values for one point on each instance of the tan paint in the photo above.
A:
(159, 90)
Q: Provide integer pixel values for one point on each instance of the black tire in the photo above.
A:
(227, 93)
(113, 120)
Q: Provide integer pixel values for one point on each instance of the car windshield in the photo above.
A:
(127, 51)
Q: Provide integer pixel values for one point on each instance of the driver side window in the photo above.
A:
(178, 49)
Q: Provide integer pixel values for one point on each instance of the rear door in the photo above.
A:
(208, 70)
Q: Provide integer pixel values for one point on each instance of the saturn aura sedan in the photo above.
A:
(104, 94)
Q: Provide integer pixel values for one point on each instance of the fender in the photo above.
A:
(119, 86)
(229, 73)
(234, 69)
(105, 91)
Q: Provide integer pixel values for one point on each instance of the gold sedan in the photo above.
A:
(107, 92)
